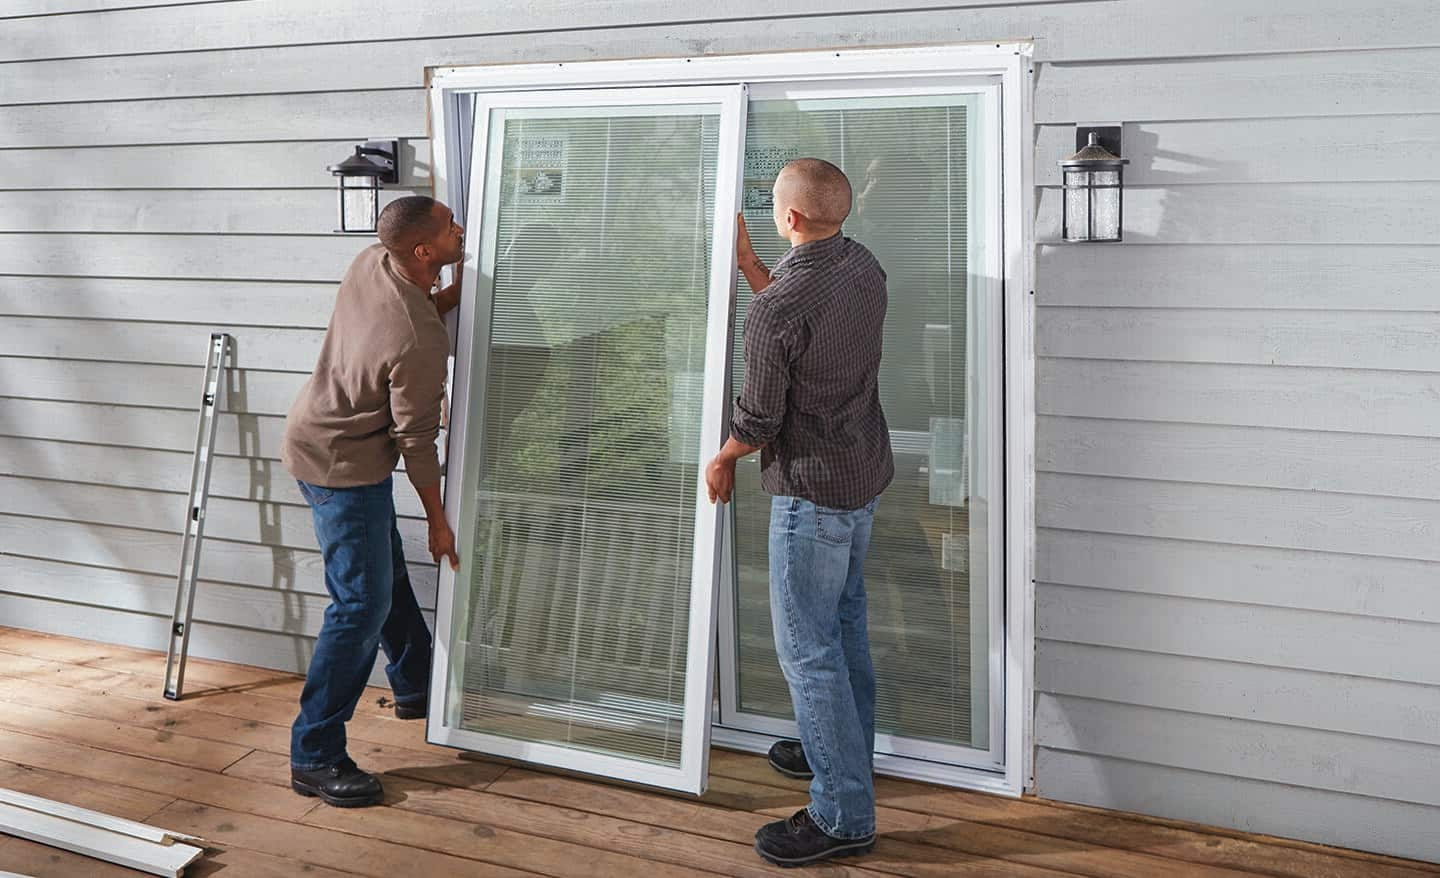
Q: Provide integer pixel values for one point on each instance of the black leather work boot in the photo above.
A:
(343, 785)
(799, 842)
(788, 758)
(415, 710)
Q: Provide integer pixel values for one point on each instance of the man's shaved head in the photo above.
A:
(815, 189)
(408, 221)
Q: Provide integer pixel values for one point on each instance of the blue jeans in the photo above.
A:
(817, 607)
(371, 605)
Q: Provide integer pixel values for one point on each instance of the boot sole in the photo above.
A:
(794, 775)
(337, 801)
(409, 714)
(853, 850)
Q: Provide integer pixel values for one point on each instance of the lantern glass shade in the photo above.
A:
(359, 203)
(1092, 205)
(1077, 205)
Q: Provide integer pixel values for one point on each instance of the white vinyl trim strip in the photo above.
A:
(153, 834)
(120, 846)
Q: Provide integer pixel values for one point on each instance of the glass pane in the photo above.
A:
(910, 161)
(1106, 204)
(572, 607)
(1077, 214)
(357, 197)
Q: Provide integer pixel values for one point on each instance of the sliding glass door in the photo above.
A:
(601, 598)
(923, 161)
(578, 631)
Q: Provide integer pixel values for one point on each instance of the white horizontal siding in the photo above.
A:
(204, 302)
(1381, 341)
(1367, 708)
(1343, 400)
(1374, 824)
(1221, 454)
(1282, 637)
(1302, 276)
(1363, 585)
(192, 211)
(275, 165)
(26, 8)
(1270, 213)
(264, 523)
(254, 437)
(231, 477)
(352, 115)
(157, 552)
(252, 347)
(1356, 764)
(314, 257)
(1356, 524)
(178, 387)
(1304, 150)
(1313, 84)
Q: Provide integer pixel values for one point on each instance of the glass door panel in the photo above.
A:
(923, 167)
(577, 631)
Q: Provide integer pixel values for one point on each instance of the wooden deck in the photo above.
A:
(84, 723)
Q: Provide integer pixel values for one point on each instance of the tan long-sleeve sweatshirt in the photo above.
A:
(378, 386)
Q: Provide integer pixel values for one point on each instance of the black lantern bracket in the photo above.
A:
(1107, 135)
(378, 158)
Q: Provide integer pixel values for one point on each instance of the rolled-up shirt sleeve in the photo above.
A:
(760, 410)
(417, 394)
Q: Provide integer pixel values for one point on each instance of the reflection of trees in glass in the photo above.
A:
(619, 302)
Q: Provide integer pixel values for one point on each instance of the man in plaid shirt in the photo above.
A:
(811, 406)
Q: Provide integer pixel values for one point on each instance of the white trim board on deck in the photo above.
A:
(98, 835)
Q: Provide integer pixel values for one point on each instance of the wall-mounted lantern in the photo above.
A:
(359, 178)
(1094, 179)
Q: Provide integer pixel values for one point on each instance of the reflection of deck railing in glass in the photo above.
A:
(920, 626)
(578, 622)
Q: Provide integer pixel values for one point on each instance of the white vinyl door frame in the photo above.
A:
(1005, 63)
(729, 103)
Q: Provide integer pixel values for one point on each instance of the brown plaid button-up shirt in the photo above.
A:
(810, 399)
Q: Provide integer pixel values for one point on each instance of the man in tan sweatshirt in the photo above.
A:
(375, 397)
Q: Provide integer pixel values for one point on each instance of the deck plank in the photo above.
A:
(350, 854)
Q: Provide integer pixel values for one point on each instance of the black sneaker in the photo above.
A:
(413, 710)
(788, 758)
(799, 842)
(343, 785)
